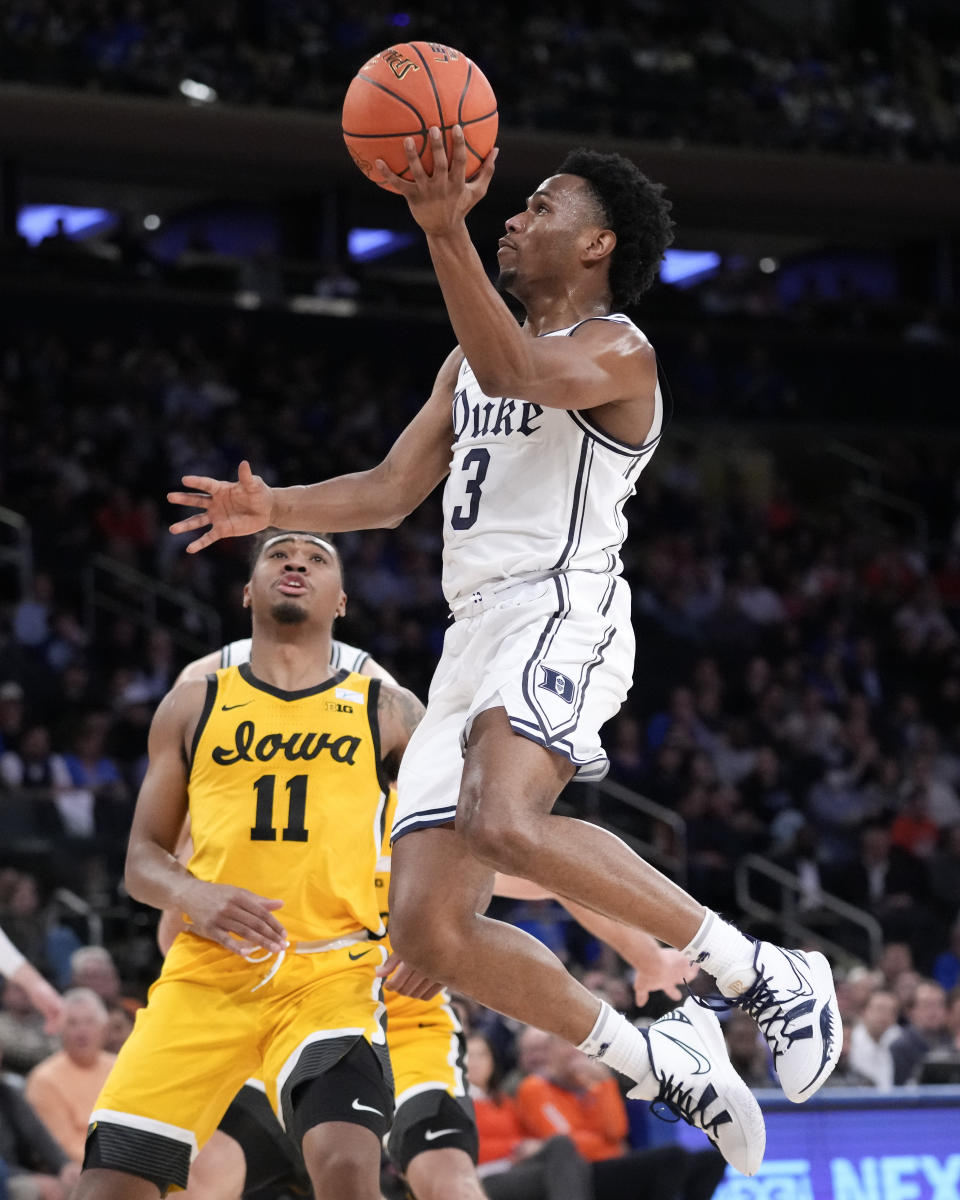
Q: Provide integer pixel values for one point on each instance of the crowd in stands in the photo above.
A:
(797, 694)
(878, 79)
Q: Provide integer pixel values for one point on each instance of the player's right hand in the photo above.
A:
(398, 977)
(239, 920)
(230, 509)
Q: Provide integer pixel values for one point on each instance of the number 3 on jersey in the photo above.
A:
(463, 516)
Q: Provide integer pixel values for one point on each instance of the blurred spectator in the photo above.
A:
(119, 1027)
(63, 1088)
(926, 1031)
(23, 1040)
(872, 1037)
(93, 967)
(11, 714)
(747, 1050)
(844, 1075)
(512, 1164)
(38, 1167)
(946, 968)
(45, 776)
(579, 1098)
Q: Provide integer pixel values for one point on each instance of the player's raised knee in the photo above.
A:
(499, 838)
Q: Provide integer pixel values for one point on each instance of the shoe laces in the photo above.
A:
(679, 1102)
(769, 1009)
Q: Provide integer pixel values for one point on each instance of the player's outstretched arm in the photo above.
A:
(376, 499)
(236, 918)
(658, 968)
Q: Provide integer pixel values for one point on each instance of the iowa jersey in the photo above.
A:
(287, 798)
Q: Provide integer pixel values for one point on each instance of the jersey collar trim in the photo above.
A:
(248, 676)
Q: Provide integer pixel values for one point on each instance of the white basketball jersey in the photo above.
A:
(342, 656)
(534, 490)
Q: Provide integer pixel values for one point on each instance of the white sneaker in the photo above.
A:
(692, 1076)
(794, 1002)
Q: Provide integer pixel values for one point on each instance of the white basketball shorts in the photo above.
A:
(556, 653)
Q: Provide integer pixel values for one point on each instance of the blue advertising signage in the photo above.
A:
(854, 1144)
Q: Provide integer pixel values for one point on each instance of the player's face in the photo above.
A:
(543, 244)
(296, 580)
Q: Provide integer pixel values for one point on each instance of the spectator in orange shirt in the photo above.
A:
(511, 1164)
(580, 1098)
(64, 1087)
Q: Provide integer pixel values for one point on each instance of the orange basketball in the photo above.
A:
(401, 92)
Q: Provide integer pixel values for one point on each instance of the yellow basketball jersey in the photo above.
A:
(287, 798)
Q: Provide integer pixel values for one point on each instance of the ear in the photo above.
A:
(246, 595)
(342, 605)
(600, 245)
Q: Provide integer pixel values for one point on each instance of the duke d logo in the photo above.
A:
(398, 64)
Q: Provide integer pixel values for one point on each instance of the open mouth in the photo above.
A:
(291, 586)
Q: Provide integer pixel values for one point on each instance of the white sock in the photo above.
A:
(722, 949)
(618, 1044)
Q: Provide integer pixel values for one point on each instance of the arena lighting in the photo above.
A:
(686, 267)
(151, 222)
(37, 221)
(366, 244)
(768, 265)
(199, 92)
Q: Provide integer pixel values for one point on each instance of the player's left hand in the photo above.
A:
(669, 970)
(440, 202)
(398, 977)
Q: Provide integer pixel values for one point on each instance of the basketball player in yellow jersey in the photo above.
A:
(283, 768)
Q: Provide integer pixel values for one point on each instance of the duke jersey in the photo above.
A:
(288, 798)
(342, 656)
(533, 490)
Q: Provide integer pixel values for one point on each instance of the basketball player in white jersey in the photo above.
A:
(541, 430)
(250, 1149)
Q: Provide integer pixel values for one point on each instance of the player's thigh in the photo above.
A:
(219, 1171)
(191, 1050)
(102, 1184)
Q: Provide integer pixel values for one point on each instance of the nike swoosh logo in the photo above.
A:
(350, 954)
(702, 1063)
(229, 707)
(431, 1135)
(365, 1107)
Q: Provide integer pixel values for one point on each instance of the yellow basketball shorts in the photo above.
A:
(213, 1020)
(428, 1053)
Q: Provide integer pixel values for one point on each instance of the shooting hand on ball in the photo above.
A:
(440, 202)
(230, 509)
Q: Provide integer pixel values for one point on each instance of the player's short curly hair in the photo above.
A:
(637, 211)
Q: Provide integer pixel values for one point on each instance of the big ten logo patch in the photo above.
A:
(399, 64)
(338, 706)
(560, 685)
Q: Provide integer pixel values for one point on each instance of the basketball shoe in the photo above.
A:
(791, 996)
(691, 1076)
